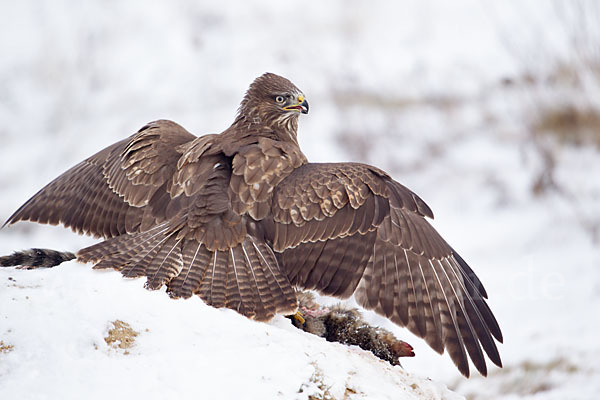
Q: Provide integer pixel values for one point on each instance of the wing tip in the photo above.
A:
(463, 367)
(15, 217)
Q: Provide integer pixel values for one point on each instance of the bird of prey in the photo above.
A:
(242, 219)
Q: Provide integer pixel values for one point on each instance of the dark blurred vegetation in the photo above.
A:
(562, 87)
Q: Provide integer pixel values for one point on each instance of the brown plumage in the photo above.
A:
(241, 218)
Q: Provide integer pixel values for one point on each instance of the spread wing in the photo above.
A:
(160, 199)
(349, 228)
(106, 195)
(203, 249)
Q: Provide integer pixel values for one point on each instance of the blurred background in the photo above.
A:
(490, 111)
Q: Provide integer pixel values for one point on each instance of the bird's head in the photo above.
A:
(273, 100)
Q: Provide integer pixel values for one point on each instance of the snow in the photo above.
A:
(57, 320)
(414, 87)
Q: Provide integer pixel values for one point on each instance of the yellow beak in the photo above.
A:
(301, 106)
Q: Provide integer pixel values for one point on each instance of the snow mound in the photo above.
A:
(70, 332)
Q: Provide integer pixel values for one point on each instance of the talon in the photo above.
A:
(298, 317)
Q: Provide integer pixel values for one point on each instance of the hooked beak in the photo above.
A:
(301, 106)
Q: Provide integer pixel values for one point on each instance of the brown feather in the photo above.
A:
(398, 279)
(240, 218)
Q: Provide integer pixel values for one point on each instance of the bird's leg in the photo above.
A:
(298, 317)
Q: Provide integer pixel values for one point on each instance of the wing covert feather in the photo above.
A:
(103, 196)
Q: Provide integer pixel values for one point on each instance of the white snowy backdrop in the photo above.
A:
(489, 110)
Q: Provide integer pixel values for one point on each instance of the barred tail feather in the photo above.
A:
(245, 278)
(195, 264)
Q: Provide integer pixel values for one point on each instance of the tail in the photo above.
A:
(36, 258)
(245, 278)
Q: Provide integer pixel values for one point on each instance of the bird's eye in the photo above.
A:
(279, 99)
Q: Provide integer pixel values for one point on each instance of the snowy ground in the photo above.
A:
(57, 322)
(429, 91)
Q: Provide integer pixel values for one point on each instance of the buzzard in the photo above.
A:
(242, 219)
